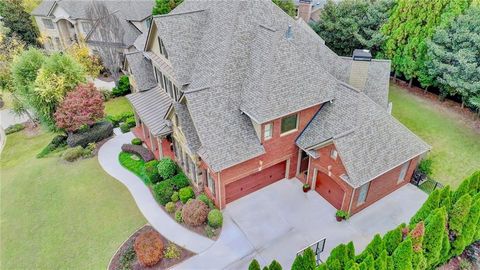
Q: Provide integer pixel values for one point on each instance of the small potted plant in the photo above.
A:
(341, 215)
(306, 187)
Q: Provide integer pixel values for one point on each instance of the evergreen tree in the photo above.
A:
(446, 198)
(453, 55)
(381, 261)
(165, 6)
(286, 5)
(408, 29)
(468, 230)
(254, 265)
(375, 248)
(445, 250)
(390, 265)
(369, 262)
(428, 206)
(306, 261)
(402, 256)
(274, 266)
(392, 239)
(459, 213)
(18, 21)
(434, 233)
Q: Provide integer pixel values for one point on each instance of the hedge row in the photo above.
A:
(96, 133)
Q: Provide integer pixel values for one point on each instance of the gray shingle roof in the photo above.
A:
(233, 57)
(142, 71)
(369, 141)
(131, 10)
(151, 106)
(188, 129)
(165, 67)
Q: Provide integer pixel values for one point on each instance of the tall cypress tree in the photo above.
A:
(432, 203)
(434, 233)
(402, 256)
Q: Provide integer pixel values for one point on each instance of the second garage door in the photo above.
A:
(254, 182)
(329, 190)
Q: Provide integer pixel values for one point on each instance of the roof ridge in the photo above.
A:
(174, 14)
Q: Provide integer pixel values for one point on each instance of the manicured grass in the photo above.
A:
(58, 215)
(455, 146)
(116, 106)
(134, 164)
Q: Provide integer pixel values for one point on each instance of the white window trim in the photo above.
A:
(290, 131)
(265, 137)
(366, 193)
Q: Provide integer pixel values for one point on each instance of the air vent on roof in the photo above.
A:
(289, 33)
(362, 55)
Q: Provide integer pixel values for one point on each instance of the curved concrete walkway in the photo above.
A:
(156, 216)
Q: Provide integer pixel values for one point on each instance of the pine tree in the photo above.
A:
(390, 265)
(392, 239)
(446, 198)
(402, 256)
(369, 262)
(434, 233)
(254, 265)
(375, 248)
(432, 203)
(458, 214)
(381, 261)
(468, 230)
(274, 266)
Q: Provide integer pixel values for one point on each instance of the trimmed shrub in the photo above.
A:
(178, 216)
(123, 87)
(149, 248)
(210, 231)
(204, 198)
(72, 154)
(434, 230)
(136, 141)
(185, 194)
(167, 168)
(254, 265)
(163, 191)
(150, 171)
(402, 256)
(215, 218)
(338, 254)
(172, 252)
(57, 142)
(117, 119)
(306, 261)
(175, 197)
(139, 150)
(170, 207)
(194, 212)
(14, 128)
(96, 133)
(124, 128)
(89, 150)
(274, 266)
(180, 181)
(381, 261)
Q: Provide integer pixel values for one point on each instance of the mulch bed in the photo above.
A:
(464, 114)
(135, 265)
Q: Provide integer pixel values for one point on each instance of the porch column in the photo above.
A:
(144, 132)
(160, 147)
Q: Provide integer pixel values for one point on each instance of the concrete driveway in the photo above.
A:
(280, 220)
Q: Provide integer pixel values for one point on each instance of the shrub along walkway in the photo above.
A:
(159, 219)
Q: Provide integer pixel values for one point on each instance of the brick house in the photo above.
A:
(241, 96)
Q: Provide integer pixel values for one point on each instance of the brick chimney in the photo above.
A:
(359, 70)
(305, 10)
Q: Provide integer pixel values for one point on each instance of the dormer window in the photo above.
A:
(163, 51)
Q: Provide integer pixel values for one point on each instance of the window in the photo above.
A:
(333, 154)
(268, 131)
(87, 26)
(362, 196)
(211, 183)
(48, 24)
(289, 123)
(403, 172)
(162, 48)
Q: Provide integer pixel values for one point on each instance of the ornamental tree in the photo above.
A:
(82, 106)
(91, 64)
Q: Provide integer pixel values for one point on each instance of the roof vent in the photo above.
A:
(362, 55)
(289, 33)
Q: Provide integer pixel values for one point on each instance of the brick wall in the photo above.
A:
(278, 148)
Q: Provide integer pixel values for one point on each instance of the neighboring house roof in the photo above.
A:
(142, 70)
(149, 105)
(139, 43)
(131, 10)
(187, 127)
(369, 141)
(242, 60)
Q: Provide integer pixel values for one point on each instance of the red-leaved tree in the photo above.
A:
(82, 106)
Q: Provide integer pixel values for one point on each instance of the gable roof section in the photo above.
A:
(181, 35)
(142, 70)
(369, 141)
(131, 10)
(188, 129)
(151, 106)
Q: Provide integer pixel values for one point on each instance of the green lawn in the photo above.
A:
(455, 146)
(58, 215)
(116, 106)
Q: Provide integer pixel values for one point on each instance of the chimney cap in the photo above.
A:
(362, 55)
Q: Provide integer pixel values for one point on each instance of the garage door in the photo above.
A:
(329, 190)
(254, 182)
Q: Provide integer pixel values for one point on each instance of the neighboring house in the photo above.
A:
(310, 10)
(241, 96)
(64, 22)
